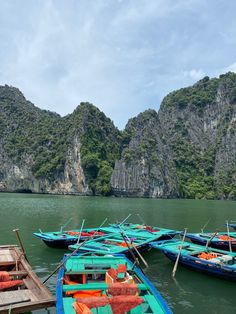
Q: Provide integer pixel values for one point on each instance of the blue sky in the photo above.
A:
(122, 56)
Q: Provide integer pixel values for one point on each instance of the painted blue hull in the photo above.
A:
(60, 244)
(142, 278)
(233, 226)
(218, 244)
(203, 266)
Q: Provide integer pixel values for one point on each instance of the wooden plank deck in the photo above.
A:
(32, 294)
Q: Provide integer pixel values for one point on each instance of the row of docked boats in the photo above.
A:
(98, 277)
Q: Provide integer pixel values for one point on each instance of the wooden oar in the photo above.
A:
(209, 241)
(141, 219)
(130, 249)
(122, 222)
(134, 247)
(20, 242)
(202, 229)
(75, 251)
(82, 225)
(62, 227)
(230, 246)
(178, 256)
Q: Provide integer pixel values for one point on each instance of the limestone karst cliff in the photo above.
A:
(187, 149)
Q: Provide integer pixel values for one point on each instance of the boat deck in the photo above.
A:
(30, 294)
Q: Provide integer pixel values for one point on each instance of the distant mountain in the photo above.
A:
(44, 153)
(187, 149)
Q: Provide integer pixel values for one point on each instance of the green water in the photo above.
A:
(191, 292)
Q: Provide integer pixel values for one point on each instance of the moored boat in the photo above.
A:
(105, 284)
(208, 260)
(62, 239)
(143, 230)
(232, 225)
(220, 240)
(114, 244)
(20, 289)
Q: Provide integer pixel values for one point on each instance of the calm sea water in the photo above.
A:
(191, 292)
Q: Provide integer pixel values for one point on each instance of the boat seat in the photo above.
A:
(102, 310)
(68, 305)
(151, 300)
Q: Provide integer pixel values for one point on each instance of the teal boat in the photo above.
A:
(105, 285)
(62, 239)
(114, 243)
(211, 261)
(149, 232)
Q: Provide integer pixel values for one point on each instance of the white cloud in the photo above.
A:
(195, 74)
(123, 56)
(230, 68)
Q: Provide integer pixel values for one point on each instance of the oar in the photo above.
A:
(62, 227)
(76, 250)
(122, 222)
(82, 225)
(202, 229)
(209, 241)
(178, 256)
(21, 245)
(141, 219)
(230, 246)
(130, 250)
(134, 247)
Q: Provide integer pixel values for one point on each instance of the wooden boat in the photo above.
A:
(114, 243)
(62, 239)
(220, 241)
(133, 230)
(210, 261)
(20, 289)
(105, 284)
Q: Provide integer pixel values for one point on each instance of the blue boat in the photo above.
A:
(208, 260)
(113, 244)
(62, 239)
(120, 241)
(105, 285)
(232, 225)
(220, 240)
(143, 230)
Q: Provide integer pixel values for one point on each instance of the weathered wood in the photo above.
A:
(32, 294)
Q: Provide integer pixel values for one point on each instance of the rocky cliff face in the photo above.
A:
(145, 168)
(43, 153)
(187, 149)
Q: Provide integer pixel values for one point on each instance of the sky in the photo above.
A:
(122, 56)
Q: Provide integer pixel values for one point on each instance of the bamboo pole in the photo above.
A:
(178, 256)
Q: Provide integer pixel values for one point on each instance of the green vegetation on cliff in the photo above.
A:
(187, 149)
(100, 146)
(196, 152)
